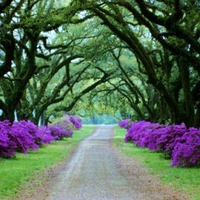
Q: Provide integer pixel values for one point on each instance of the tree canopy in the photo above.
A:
(140, 58)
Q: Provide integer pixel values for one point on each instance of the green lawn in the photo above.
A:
(184, 179)
(19, 170)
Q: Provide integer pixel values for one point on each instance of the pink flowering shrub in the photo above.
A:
(178, 143)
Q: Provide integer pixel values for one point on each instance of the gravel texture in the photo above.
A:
(97, 171)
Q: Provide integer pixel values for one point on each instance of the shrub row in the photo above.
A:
(177, 142)
(24, 135)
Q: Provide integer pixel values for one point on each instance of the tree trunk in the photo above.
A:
(188, 105)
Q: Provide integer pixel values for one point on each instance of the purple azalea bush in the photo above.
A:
(67, 125)
(24, 136)
(7, 147)
(76, 121)
(64, 128)
(125, 123)
(22, 139)
(177, 142)
(14, 138)
(43, 136)
(58, 132)
(186, 151)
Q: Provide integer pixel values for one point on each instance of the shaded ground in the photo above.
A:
(97, 171)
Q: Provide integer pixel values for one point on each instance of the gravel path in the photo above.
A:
(92, 173)
(97, 171)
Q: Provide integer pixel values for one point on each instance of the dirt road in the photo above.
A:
(97, 172)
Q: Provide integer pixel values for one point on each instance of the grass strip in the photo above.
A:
(17, 171)
(183, 179)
